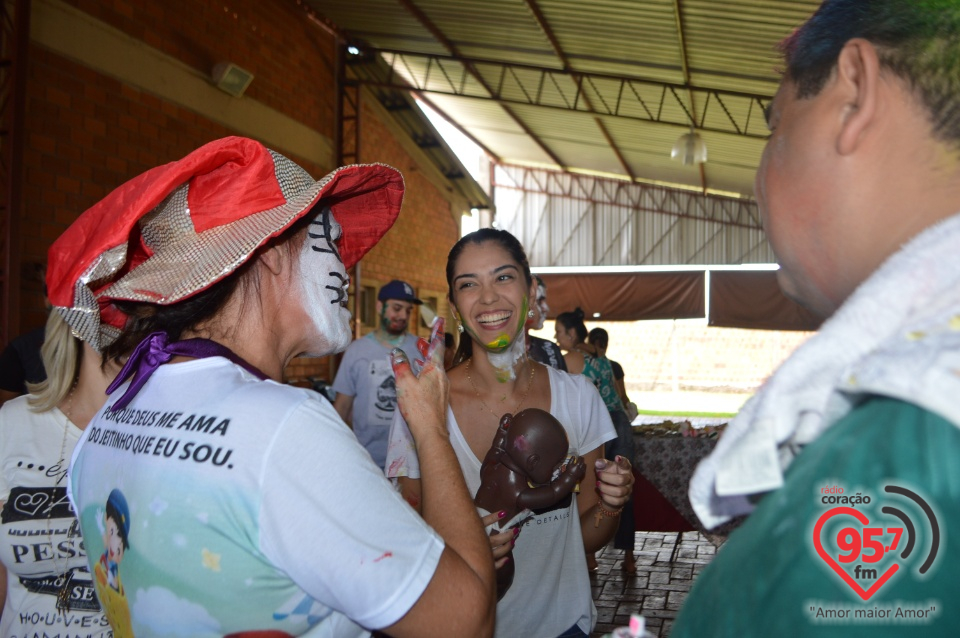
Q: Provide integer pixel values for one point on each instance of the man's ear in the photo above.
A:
(379, 307)
(858, 77)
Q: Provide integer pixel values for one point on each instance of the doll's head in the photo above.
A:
(536, 443)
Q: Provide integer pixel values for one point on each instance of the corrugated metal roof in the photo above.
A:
(601, 86)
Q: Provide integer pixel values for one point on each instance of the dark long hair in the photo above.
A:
(574, 319)
(506, 241)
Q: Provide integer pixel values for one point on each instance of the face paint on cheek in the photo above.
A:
(503, 340)
(323, 283)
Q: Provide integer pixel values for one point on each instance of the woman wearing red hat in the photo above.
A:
(252, 507)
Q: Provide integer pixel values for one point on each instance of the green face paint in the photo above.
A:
(503, 340)
(498, 344)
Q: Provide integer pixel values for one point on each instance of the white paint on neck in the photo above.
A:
(505, 362)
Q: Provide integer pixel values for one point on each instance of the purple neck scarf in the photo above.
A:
(154, 351)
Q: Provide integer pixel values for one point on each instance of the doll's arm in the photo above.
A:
(546, 495)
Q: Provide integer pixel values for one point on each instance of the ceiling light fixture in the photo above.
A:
(690, 148)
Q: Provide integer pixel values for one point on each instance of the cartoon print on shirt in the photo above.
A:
(387, 395)
(109, 587)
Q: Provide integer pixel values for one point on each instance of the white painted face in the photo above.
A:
(323, 286)
(542, 308)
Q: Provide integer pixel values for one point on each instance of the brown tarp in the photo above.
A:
(628, 296)
(738, 299)
(752, 299)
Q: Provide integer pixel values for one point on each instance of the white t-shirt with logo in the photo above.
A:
(365, 373)
(551, 587)
(251, 507)
(40, 541)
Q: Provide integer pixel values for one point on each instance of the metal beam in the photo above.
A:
(452, 49)
(559, 52)
(612, 96)
(678, 15)
(642, 197)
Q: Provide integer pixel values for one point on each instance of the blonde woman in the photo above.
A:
(47, 583)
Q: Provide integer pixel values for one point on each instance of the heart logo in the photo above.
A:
(854, 585)
(30, 503)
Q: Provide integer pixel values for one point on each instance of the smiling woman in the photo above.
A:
(491, 289)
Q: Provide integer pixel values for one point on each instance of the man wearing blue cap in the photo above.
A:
(365, 387)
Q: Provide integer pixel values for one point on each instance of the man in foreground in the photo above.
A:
(848, 453)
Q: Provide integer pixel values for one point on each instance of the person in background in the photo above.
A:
(252, 508)
(20, 362)
(449, 350)
(490, 291)
(366, 391)
(48, 587)
(546, 352)
(600, 339)
(859, 193)
(583, 358)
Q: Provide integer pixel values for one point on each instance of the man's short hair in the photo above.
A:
(917, 40)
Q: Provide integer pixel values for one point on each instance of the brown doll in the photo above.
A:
(526, 469)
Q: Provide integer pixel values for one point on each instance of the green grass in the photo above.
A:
(709, 415)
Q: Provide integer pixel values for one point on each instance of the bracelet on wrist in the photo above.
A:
(604, 512)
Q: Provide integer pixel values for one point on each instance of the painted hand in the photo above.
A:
(432, 348)
(422, 401)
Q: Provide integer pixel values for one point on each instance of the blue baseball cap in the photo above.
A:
(399, 290)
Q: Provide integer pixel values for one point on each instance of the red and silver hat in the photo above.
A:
(179, 228)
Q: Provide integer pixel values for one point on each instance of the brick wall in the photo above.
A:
(290, 57)
(87, 132)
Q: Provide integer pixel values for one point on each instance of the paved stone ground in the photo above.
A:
(664, 575)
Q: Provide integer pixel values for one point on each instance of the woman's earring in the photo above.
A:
(459, 327)
(530, 313)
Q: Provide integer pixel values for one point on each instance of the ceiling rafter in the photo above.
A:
(558, 50)
(642, 197)
(435, 31)
(685, 68)
(622, 97)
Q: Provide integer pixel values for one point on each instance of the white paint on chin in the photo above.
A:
(506, 361)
